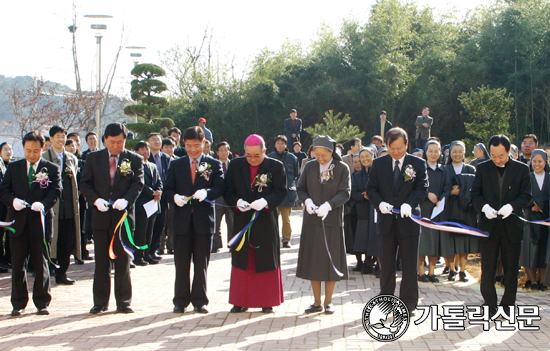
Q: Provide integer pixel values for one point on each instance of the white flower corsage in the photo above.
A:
(261, 181)
(42, 178)
(327, 174)
(68, 172)
(204, 170)
(125, 168)
(409, 173)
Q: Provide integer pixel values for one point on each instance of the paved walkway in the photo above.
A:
(155, 327)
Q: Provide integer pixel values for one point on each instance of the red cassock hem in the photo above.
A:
(255, 290)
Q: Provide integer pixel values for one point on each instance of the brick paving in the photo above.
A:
(155, 327)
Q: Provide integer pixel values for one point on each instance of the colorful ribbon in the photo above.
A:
(545, 222)
(241, 235)
(46, 246)
(453, 227)
(189, 198)
(118, 229)
(7, 225)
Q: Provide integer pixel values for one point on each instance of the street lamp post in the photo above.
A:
(135, 56)
(99, 90)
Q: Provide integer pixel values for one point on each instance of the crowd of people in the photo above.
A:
(170, 194)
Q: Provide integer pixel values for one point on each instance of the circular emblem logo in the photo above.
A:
(386, 318)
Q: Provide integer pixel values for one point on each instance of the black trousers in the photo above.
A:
(65, 245)
(158, 228)
(228, 214)
(21, 247)
(187, 247)
(498, 242)
(83, 236)
(408, 251)
(102, 274)
(143, 232)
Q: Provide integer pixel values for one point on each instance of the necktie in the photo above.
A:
(194, 171)
(159, 165)
(112, 168)
(224, 168)
(31, 174)
(396, 174)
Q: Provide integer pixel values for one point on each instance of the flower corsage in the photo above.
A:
(125, 168)
(261, 181)
(409, 173)
(327, 174)
(204, 170)
(68, 172)
(42, 178)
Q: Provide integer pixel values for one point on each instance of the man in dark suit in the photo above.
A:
(293, 127)
(152, 190)
(112, 175)
(175, 133)
(500, 188)
(223, 151)
(162, 161)
(194, 221)
(92, 142)
(408, 188)
(31, 186)
(423, 127)
(382, 126)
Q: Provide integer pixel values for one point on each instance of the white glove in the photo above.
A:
(102, 205)
(490, 212)
(179, 200)
(506, 210)
(19, 204)
(37, 206)
(323, 210)
(243, 206)
(120, 204)
(406, 210)
(385, 208)
(310, 206)
(259, 204)
(200, 195)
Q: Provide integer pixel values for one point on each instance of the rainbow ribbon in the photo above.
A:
(241, 235)
(118, 228)
(453, 227)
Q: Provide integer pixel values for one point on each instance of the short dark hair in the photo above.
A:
(174, 130)
(296, 143)
(425, 108)
(354, 141)
(73, 134)
(396, 133)
(89, 134)
(57, 129)
(281, 137)
(532, 136)
(69, 142)
(435, 138)
(222, 144)
(115, 129)
(500, 139)
(153, 134)
(46, 137)
(377, 137)
(168, 141)
(34, 136)
(140, 144)
(382, 112)
(191, 133)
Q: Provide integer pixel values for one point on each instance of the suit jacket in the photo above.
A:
(264, 232)
(179, 182)
(421, 131)
(289, 130)
(95, 183)
(516, 191)
(165, 161)
(348, 159)
(291, 170)
(152, 182)
(16, 185)
(180, 151)
(70, 164)
(378, 128)
(381, 188)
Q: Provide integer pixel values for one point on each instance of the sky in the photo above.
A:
(37, 42)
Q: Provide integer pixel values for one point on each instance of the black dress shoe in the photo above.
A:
(462, 276)
(446, 270)
(238, 309)
(43, 311)
(87, 258)
(201, 309)
(17, 313)
(159, 252)
(150, 260)
(527, 284)
(179, 309)
(313, 309)
(287, 245)
(170, 252)
(452, 275)
(125, 309)
(96, 309)
(64, 281)
(423, 278)
(4, 270)
(433, 278)
(157, 257)
(267, 310)
(140, 262)
(329, 309)
(214, 250)
(132, 265)
(77, 261)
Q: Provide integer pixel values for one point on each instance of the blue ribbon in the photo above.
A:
(447, 226)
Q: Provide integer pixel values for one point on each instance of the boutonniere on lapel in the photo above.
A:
(409, 173)
(327, 174)
(68, 171)
(125, 168)
(204, 170)
(42, 178)
(261, 181)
